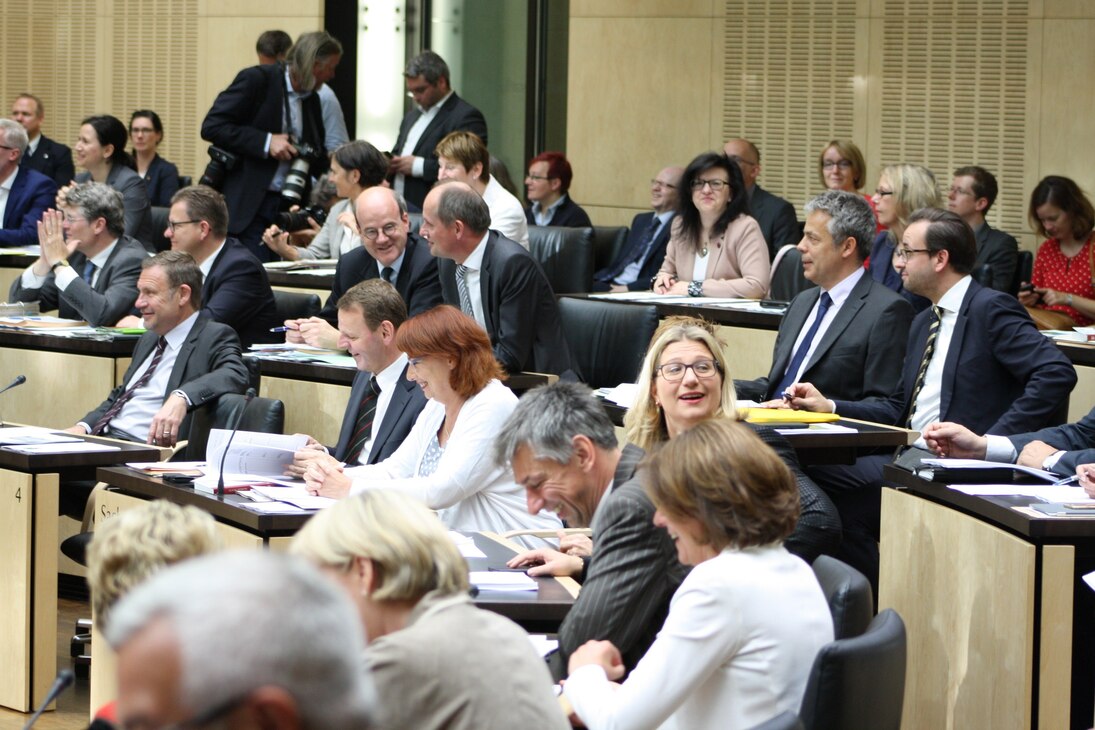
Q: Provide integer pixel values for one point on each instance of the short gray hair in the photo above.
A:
(429, 66)
(248, 619)
(99, 200)
(14, 135)
(547, 419)
(849, 215)
(458, 202)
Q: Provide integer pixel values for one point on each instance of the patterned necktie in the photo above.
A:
(89, 272)
(386, 274)
(929, 350)
(462, 288)
(124, 398)
(791, 372)
(363, 425)
(648, 240)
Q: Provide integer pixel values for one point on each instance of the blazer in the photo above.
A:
(738, 264)
(101, 305)
(1077, 440)
(403, 409)
(237, 292)
(1000, 251)
(417, 282)
(138, 213)
(860, 355)
(650, 264)
(328, 242)
(239, 121)
(162, 179)
(568, 215)
(882, 270)
(776, 218)
(31, 194)
(1002, 376)
(454, 115)
(52, 159)
(208, 366)
(519, 306)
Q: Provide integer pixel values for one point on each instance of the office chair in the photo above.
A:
(607, 339)
(565, 255)
(608, 241)
(157, 215)
(848, 594)
(786, 279)
(295, 305)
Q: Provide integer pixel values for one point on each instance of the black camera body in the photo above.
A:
(221, 162)
(298, 220)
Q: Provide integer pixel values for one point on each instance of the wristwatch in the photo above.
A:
(1070, 300)
(695, 288)
(62, 262)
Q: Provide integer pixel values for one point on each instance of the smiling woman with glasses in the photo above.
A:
(841, 166)
(716, 248)
(161, 176)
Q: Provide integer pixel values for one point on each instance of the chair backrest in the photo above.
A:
(295, 305)
(787, 279)
(416, 222)
(1024, 268)
(608, 241)
(157, 216)
(607, 339)
(782, 721)
(185, 181)
(849, 596)
(983, 274)
(266, 415)
(566, 256)
(859, 682)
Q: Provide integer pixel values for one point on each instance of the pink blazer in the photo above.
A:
(737, 265)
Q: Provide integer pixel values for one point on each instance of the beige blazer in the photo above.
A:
(737, 266)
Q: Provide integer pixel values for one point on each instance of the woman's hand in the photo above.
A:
(1052, 297)
(62, 195)
(663, 281)
(324, 477)
(278, 241)
(348, 219)
(602, 653)
(1028, 297)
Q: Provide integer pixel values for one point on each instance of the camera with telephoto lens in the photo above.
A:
(297, 220)
(221, 162)
(297, 180)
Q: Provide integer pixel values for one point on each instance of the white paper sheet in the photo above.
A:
(262, 454)
(494, 580)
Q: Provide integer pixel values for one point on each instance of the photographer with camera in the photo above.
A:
(355, 166)
(268, 137)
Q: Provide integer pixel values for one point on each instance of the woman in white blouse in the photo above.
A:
(746, 624)
(446, 459)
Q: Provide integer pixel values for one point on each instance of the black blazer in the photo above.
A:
(1000, 251)
(138, 213)
(454, 115)
(237, 292)
(569, 214)
(52, 159)
(403, 409)
(162, 179)
(776, 218)
(1077, 440)
(417, 282)
(602, 279)
(239, 121)
(31, 194)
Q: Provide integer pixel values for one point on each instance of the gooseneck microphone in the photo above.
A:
(65, 677)
(239, 419)
(19, 380)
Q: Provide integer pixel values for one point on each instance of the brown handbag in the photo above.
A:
(1048, 319)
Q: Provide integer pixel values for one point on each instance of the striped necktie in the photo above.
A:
(363, 424)
(125, 397)
(929, 350)
(462, 289)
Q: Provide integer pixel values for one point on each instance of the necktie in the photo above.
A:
(386, 274)
(124, 398)
(462, 288)
(89, 272)
(648, 239)
(929, 350)
(363, 424)
(791, 372)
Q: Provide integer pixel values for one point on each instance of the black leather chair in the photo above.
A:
(296, 305)
(983, 275)
(565, 254)
(416, 222)
(782, 721)
(265, 415)
(786, 279)
(859, 683)
(848, 593)
(1024, 267)
(607, 339)
(158, 216)
(608, 241)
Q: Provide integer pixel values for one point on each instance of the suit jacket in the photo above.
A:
(1001, 252)
(519, 306)
(453, 116)
(776, 218)
(1077, 440)
(1001, 376)
(650, 264)
(403, 409)
(52, 159)
(417, 282)
(101, 305)
(208, 366)
(30, 195)
(162, 179)
(860, 354)
(882, 270)
(138, 212)
(237, 292)
(738, 264)
(568, 215)
(242, 116)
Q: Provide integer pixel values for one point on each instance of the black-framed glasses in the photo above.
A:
(905, 252)
(173, 225)
(530, 176)
(715, 185)
(842, 164)
(388, 230)
(659, 184)
(882, 193)
(674, 371)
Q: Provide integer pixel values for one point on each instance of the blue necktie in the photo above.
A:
(800, 354)
(89, 272)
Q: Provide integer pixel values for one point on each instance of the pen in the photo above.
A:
(1065, 482)
(787, 396)
(279, 329)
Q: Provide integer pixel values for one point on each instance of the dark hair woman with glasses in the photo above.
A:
(161, 176)
(715, 247)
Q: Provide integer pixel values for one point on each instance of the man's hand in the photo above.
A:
(545, 561)
(77, 429)
(325, 478)
(1086, 472)
(281, 148)
(575, 544)
(304, 456)
(401, 165)
(602, 653)
(957, 442)
(51, 238)
(165, 424)
(1035, 453)
(805, 397)
(316, 332)
(130, 321)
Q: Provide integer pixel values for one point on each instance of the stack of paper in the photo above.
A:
(494, 580)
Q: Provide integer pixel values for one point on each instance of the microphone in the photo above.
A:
(19, 380)
(66, 676)
(239, 419)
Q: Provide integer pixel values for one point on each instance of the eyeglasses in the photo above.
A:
(882, 193)
(905, 252)
(674, 371)
(388, 230)
(715, 185)
(955, 190)
(842, 164)
(173, 225)
(530, 176)
(141, 130)
(73, 219)
(660, 184)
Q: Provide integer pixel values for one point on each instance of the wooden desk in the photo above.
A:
(28, 563)
(999, 623)
(1083, 395)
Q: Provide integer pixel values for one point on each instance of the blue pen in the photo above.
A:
(279, 329)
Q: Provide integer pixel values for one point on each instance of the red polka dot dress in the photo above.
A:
(1054, 270)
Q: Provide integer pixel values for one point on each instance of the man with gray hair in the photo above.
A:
(88, 267)
(240, 639)
(562, 447)
(24, 193)
(847, 333)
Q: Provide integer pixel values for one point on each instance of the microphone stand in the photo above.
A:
(239, 419)
(19, 380)
(64, 678)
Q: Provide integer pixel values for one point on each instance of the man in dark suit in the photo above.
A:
(641, 257)
(496, 281)
(847, 335)
(974, 358)
(44, 155)
(437, 112)
(973, 191)
(390, 252)
(88, 268)
(263, 117)
(384, 404)
(563, 451)
(28, 193)
(546, 187)
(775, 216)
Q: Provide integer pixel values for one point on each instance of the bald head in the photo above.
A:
(383, 223)
(665, 189)
(454, 219)
(746, 154)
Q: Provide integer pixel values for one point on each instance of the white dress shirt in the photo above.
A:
(65, 275)
(474, 264)
(386, 380)
(507, 216)
(418, 167)
(631, 271)
(839, 294)
(206, 266)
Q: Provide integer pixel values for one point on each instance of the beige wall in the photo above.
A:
(1002, 83)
